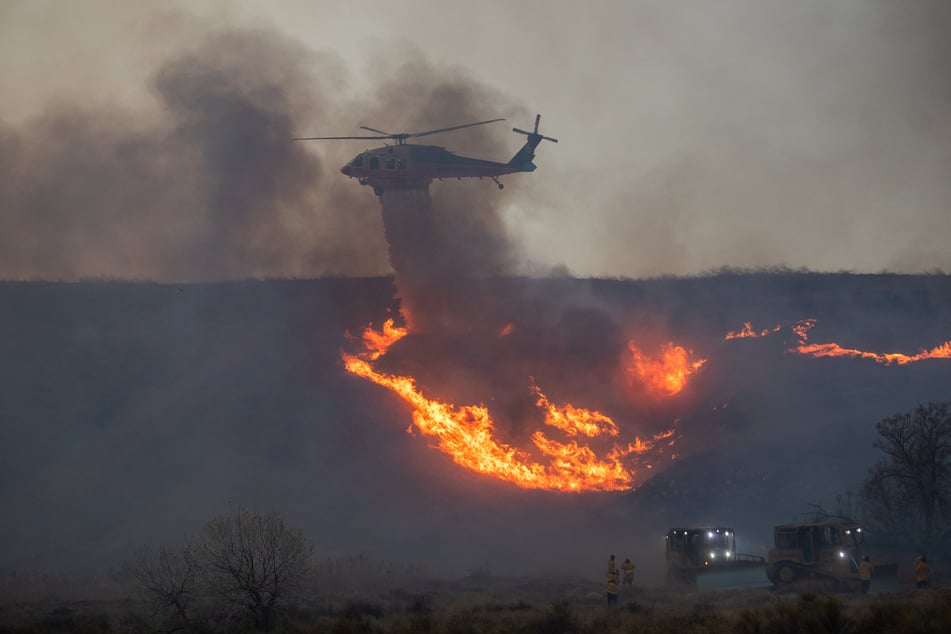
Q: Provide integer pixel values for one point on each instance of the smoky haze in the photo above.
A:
(754, 134)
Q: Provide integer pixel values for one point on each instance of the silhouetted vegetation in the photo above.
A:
(908, 492)
(242, 571)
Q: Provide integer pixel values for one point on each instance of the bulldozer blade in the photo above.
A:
(752, 576)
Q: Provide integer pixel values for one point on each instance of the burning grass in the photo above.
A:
(832, 349)
(626, 421)
(468, 433)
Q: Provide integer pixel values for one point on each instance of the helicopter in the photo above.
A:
(410, 166)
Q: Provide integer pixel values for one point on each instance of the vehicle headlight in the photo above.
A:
(842, 554)
(726, 554)
(713, 555)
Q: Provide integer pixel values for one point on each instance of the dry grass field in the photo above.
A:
(397, 601)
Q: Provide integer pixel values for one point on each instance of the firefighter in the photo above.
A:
(611, 588)
(922, 571)
(611, 569)
(628, 569)
(865, 574)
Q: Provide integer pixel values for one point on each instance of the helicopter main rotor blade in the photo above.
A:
(363, 127)
(336, 138)
(455, 127)
(399, 137)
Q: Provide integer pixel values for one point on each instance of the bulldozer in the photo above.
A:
(707, 557)
(822, 555)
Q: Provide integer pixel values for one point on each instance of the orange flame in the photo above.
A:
(466, 433)
(835, 350)
(747, 331)
(887, 358)
(802, 327)
(665, 374)
(572, 420)
(376, 343)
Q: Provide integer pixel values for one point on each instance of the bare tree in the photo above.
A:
(255, 563)
(909, 491)
(171, 581)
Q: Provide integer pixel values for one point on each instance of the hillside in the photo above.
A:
(132, 412)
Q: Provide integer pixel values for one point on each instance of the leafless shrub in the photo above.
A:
(254, 563)
(244, 567)
(170, 580)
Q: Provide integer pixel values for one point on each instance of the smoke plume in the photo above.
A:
(211, 188)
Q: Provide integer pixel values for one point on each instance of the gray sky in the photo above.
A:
(693, 135)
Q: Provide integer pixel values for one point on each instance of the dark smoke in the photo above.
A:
(212, 189)
(453, 231)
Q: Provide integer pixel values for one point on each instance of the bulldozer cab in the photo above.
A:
(821, 554)
(700, 547)
(824, 544)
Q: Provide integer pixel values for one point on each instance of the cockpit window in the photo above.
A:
(358, 162)
(374, 163)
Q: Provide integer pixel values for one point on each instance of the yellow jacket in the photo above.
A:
(865, 571)
(922, 570)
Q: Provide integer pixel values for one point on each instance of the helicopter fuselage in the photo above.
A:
(409, 166)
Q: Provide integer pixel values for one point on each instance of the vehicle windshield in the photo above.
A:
(717, 539)
(701, 539)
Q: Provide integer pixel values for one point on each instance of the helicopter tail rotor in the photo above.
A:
(535, 133)
(523, 159)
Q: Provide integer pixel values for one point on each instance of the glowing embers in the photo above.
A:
(666, 373)
(595, 462)
(747, 332)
